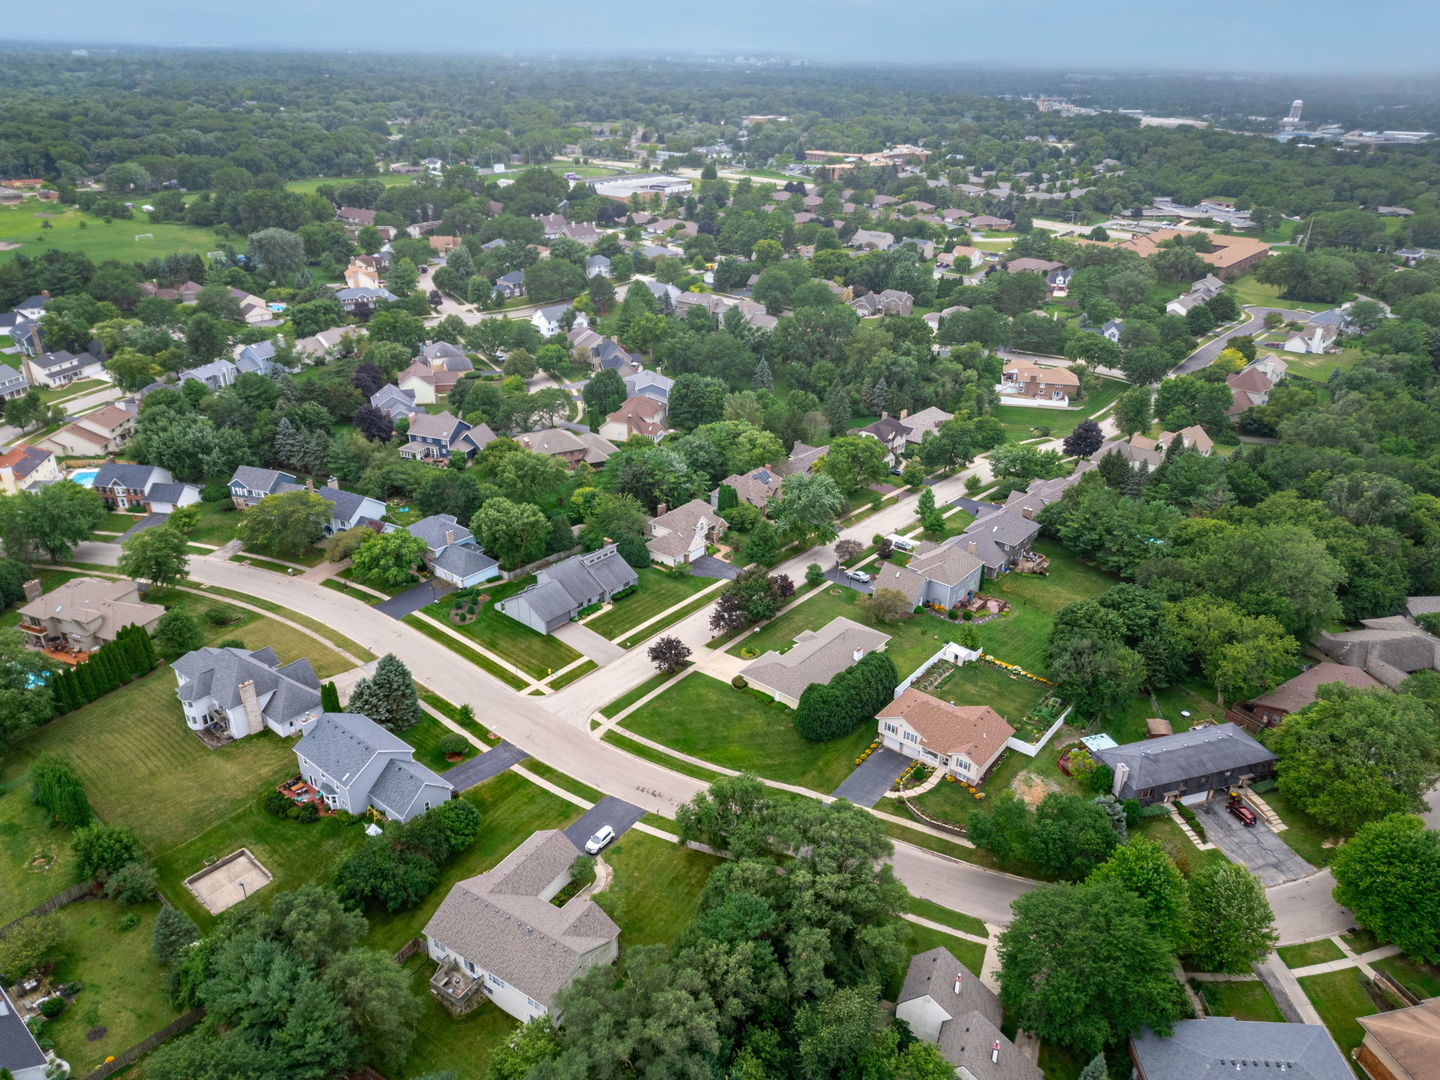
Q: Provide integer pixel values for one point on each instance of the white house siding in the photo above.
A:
(925, 1017)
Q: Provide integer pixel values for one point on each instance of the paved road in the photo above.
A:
(1257, 847)
(617, 813)
(1305, 910)
(1206, 353)
(867, 785)
(482, 767)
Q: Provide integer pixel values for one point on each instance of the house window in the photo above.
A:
(534, 1004)
(891, 728)
(911, 737)
(496, 980)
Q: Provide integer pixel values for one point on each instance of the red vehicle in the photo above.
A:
(1241, 811)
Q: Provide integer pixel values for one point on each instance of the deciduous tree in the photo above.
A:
(1388, 874)
(157, 555)
(1231, 924)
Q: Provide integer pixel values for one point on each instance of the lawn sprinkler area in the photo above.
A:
(225, 883)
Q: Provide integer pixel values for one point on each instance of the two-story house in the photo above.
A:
(680, 536)
(355, 764)
(85, 613)
(56, 369)
(511, 285)
(639, 415)
(434, 437)
(13, 383)
(348, 510)
(498, 937)
(217, 375)
(394, 402)
(963, 740)
(28, 468)
(95, 434)
(1023, 379)
(230, 693)
(549, 320)
(149, 487)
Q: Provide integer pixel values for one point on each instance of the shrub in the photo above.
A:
(628, 590)
(133, 883)
(220, 616)
(275, 802)
(828, 710)
(954, 614)
(230, 643)
(55, 785)
(104, 849)
(814, 575)
(967, 615)
(454, 743)
(54, 1006)
(28, 944)
(739, 682)
(129, 921)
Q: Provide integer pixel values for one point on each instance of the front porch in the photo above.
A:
(458, 991)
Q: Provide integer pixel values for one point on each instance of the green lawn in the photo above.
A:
(659, 757)
(1180, 848)
(1018, 420)
(1127, 724)
(1306, 837)
(1339, 998)
(1059, 1063)
(1360, 940)
(658, 590)
(742, 729)
(656, 889)
(919, 939)
(143, 768)
(579, 671)
(539, 655)
(1422, 980)
(625, 700)
(953, 803)
(938, 913)
(1250, 293)
(124, 985)
(389, 590)
(511, 808)
(425, 737)
(445, 1045)
(309, 187)
(460, 649)
(71, 230)
(50, 396)
(1313, 952)
(1319, 366)
(26, 832)
(1248, 1000)
(983, 684)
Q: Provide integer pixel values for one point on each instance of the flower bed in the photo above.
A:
(913, 777)
(874, 745)
(1015, 671)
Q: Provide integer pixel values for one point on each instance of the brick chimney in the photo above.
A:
(33, 590)
(449, 537)
(661, 509)
(970, 547)
(251, 705)
(904, 413)
(333, 482)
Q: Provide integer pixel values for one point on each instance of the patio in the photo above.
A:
(300, 792)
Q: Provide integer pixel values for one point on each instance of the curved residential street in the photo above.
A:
(1205, 354)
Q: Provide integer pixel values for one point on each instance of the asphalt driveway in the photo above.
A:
(491, 763)
(616, 813)
(707, 566)
(867, 785)
(838, 577)
(1257, 847)
(149, 521)
(411, 600)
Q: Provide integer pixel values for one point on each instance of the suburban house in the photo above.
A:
(999, 539)
(872, 240)
(890, 302)
(56, 369)
(1221, 1045)
(560, 591)
(597, 266)
(364, 271)
(964, 740)
(680, 536)
(1231, 256)
(217, 375)
(497, 936)
(802, 460)
(451, 552)
(28, 468)
(352, 215)
(394, 402)
(1390, 649)
(1200, 292)
(147, 486)
(1311, 339)
(1267, 710)
(639, 415)
(1057, 275)
(326, 342)
(649, 383)
(756, 487)
(435, 371)
(253, 309)
(816, 657)
(989, 221)
(1024, 379)
(249, 485)
(1400, 1045)
(355, 764)
(1252, 386)
(902, 432)
(364, 296)
(13, 383)
(434, 437)
(548, 319)
(1141, 448)
(1187, 767)
(571, 447)
(85, 613)
(231, 693)
(20, 1054)
(944, 574)
(512, 284)
(945, 1003)
(259, 358)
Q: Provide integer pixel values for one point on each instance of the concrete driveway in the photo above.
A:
(867, 785)
(588, 643)
(411, 600)
(616, 813)
(491, 763)
(1266, 855)
(708, 566)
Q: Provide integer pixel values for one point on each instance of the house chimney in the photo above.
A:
(970, 547)
(33, 590)
(251, 706)
(45, 293)
(858, 655)
(449, 537)
(904, 413)
(660, 509)
(333, 482)
(884, 415)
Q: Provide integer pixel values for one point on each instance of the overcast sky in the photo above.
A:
(1256, 35)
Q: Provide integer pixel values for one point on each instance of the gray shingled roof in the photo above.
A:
(18, 1048)
(130, 476)
(433, 529)
(400, 784)
(342, 743)
(462, 560)
(218, 673)
(1256, 1050)
(816, 657)
(345, 504)
(1163, 762)
(497, 920)
(932, 974)
(260, 479)
(166, 493)
(1007, 526)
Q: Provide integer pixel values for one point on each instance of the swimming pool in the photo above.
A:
(84, 477)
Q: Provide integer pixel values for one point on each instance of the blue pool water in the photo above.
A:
(84, 477)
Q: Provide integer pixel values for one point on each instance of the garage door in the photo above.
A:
(1196, 799)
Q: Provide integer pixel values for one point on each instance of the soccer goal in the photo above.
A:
(144, 236)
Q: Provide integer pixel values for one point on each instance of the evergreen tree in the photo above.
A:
(1096, 1070)
(762, 379)
(329, 697)
(388, 697)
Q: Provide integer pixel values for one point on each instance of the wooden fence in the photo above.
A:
(409, 949)
(128, 1057)
(59, 900)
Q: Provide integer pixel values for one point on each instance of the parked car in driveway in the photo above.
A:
(603, 836)
(1241, 811)
(858, 575)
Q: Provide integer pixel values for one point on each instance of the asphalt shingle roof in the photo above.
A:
(1163, 762)
(342, 743)
(218, 673)
(1221, 1046)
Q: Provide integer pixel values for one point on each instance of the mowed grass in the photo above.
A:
(124, 985)
(309, 187)
(1319, 366)
(658, 591)
(743, 730)
(927, 909)
(1309, 839)
(1339, 997)
(1250, 293)
(1422, 980)
(1247, 1000)
(538, 655)
(96, 239)
(953, 803)
(445, 1045)
(1312, 952)
(142, 767)
(919, 939)
(1018, 420)
(982, 684)
(511, 808)
(656, 889)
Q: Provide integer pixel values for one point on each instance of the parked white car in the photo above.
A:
(602, 836)
(858, 575)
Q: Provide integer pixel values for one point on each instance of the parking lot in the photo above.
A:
(1256, 846)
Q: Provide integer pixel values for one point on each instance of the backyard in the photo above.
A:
(978, 683)
(446, 1045)
(656, 889)
(1018, 420)
(1244, 1000)
(657, 591)
(538, 655)
(744, 730)
(124, 996)
(35, 858)
(1029, 778)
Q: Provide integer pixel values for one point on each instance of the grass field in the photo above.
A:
(309, 187)
(936, 913)
(658, 590)
(1318, 367)
(1313, 952)
(952, 803)
(143, 768)
(656, 889)
(1250, 293)
(982, 684)
(1169, 835)
(1018, 420)
(539, 655)
(659, 757)
(26, 832)
(1422, 980)
(71, 230)
(1339, 997)
(920, 939)
(625, 700)
(469, 655)
(1127, 724)
(741, 729)
(1304, 834)
(444, 1045)
(1242, 1000)
(124, 984)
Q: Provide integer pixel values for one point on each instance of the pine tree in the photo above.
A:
(762, 379)
(388, 697)
(1096, 1070)
(329, 697)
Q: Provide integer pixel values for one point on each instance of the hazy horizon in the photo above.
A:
(1132, 36)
